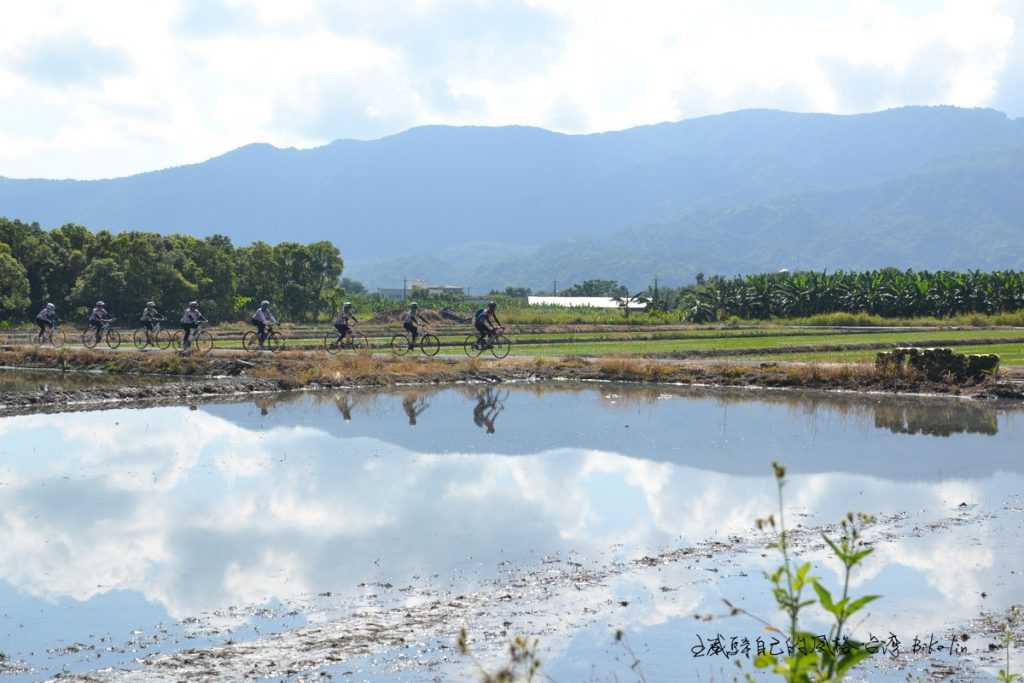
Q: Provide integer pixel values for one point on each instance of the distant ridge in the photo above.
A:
(733, 192)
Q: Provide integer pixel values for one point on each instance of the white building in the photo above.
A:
(584, 302)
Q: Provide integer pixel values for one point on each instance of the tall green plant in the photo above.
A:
(1004, 675)
(810, 659)
(888, 292)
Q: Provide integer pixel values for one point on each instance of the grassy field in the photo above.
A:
(732, 345)
(767, 341)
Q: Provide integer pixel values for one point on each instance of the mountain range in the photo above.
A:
(748, 191)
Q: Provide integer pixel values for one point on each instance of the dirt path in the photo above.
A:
(229, 373)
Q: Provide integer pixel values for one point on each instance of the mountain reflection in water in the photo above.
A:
(712, 429)
(908, 415)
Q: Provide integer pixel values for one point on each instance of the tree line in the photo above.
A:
(887, 292)
(74, 267)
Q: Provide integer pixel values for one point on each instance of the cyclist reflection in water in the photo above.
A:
(413, 405)
(344, 405)
(489, 404)
(264, 405)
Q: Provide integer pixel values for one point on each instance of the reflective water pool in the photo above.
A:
(131, 532)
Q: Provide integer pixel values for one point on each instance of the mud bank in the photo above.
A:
(230, 374)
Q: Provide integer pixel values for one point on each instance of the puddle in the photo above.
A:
(268, 528)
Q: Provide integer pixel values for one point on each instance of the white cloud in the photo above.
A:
(114, 87)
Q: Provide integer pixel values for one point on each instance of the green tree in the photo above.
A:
(14, 286)
(351, 286)
(216, 277)
(33, 248)
(596, 288)
(258, 276)
(102, 279)
(72, 243)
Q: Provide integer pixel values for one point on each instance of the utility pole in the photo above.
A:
(554, 288)
(404, 283)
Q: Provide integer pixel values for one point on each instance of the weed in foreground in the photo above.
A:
(522, 664)
(1004, 675)
(811, 659)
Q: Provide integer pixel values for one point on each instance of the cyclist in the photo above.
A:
(98, 317)
(149, 318)
(409, 321)
(190, 321)
(341, 322)
(46, 319)
(486, 322)
(263, 318)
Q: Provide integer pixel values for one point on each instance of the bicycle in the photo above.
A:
(274, 341)
(52, 337)
(402, 344)
(353, 341)
(108, 334)
(158, 338)
(200, 340)
(497, 343)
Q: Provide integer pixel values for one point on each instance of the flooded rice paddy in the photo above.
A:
(350, 535)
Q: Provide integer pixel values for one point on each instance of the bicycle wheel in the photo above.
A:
(500, 346)
(164, 339)
(113, 338)
(89, 339)
(400, 345)
(430, 344)
(175, 340)
(360, 342)
(275, 342)
(139, 338)
(471, 347)
(203, 342)
(54, 338)
(251, 342)
(331, 343)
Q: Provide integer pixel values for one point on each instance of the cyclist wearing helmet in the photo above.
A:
(263, 318)
(98, 317)
(150, 316)
(486, 321)
(409, 321)
(341, 322)
(190, 320)
(46, 319)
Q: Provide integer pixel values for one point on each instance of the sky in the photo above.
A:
(108, 88)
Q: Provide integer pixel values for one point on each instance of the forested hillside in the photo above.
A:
(732, 193)
(958, 216)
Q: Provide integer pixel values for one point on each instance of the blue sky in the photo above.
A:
(110, 87)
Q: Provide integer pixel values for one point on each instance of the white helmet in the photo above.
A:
(50, 306)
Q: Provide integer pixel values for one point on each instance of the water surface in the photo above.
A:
(131, 531)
